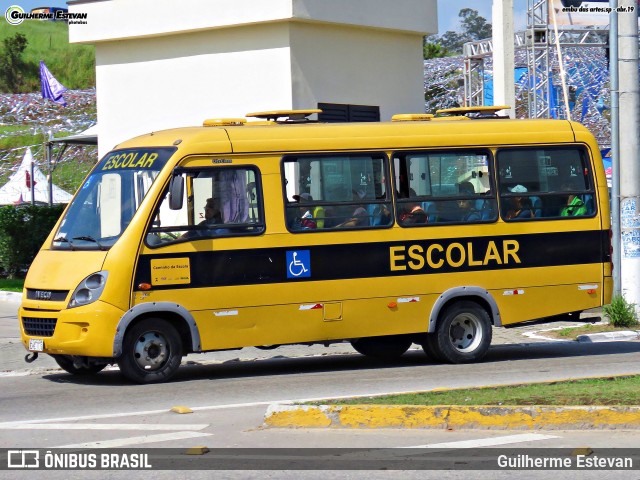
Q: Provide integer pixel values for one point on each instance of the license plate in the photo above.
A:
(36, 345)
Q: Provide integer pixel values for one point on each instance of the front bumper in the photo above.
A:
(86, 331)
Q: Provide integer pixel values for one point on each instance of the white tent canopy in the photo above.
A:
(18, 189)
(88, 137)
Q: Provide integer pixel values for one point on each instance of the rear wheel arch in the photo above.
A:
(479, 295)
(463, 333)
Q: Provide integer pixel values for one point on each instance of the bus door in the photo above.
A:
(207, 255)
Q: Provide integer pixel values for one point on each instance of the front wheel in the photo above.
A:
(463, 334)
(387, 348)
(151, 352)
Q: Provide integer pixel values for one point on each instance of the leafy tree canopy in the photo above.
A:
(11, 62)
(474, 28)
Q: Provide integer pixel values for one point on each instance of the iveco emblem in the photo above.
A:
(43, 295)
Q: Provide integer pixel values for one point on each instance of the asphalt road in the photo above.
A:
(228, 394)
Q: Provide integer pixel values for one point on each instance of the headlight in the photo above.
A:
(89, 289)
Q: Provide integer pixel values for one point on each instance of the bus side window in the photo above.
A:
(218, 202)
(327, 192)
(546, 183)
(436, 187)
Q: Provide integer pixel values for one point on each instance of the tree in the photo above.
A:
(12, 66)
(474, 28)
(432, 49)
(23, 229)
(453, 41)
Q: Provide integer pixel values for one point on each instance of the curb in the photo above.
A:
(608, 336)
(621, 335)
(452, 417)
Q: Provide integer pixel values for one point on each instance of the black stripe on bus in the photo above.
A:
(385, 259)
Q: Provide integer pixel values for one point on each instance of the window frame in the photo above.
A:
(258, 228)
(504, 196)
(388, 200)
(490, 195)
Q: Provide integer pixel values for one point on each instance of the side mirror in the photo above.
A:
(176, 192)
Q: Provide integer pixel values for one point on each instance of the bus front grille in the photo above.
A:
(40, 327)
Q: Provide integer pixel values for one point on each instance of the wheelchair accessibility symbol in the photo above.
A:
(298, 264)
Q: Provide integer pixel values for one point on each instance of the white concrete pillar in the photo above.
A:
(629, 146)
(503, 55)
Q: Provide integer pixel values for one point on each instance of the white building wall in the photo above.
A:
(164, 82)
(110, 20)
(169, 63)
(373, 67)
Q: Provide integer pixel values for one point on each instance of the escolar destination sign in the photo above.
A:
(137, 159)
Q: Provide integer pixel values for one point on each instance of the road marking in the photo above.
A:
(488, 442)
(138, 413)
(106, 426)
(124, 442)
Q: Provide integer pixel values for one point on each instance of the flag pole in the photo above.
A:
(49, 145)
(31, 183)
(51, 89)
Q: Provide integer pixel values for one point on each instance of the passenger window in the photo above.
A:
(336, 191)
(216, 202)
(444, 187)
(545, 183)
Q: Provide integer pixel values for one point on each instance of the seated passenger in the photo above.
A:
(467, 211)
(304, 220)
(381, 215)
(359, 217)
(520, 206)
(574, 207)
(412, 212)
(212, 219)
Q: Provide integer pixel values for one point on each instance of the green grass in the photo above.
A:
(599, 391)
(8, 285)
(21, 137)
(68, 174)
(72, 64)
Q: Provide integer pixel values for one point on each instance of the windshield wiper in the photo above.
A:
(61, 239)
(88, 238)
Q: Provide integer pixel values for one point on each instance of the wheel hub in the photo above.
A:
(151, 351)
(465, 332)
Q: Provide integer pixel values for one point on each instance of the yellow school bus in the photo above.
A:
(280, 230)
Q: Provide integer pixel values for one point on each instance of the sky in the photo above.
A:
(448, 13)
(447, 10)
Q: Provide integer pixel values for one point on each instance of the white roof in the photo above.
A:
(88, 137)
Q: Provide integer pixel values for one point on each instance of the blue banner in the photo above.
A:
(51, 88)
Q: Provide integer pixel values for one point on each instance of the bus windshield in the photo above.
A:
(108, 199)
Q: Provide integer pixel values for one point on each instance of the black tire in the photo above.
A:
(163, 347)
(65, 362)
(387, 348)
(463, 334)
(430, 348)
(571, 3)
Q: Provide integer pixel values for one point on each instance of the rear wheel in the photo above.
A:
(66, 363)
(151, 351)
(463, 334)
(387, 348)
